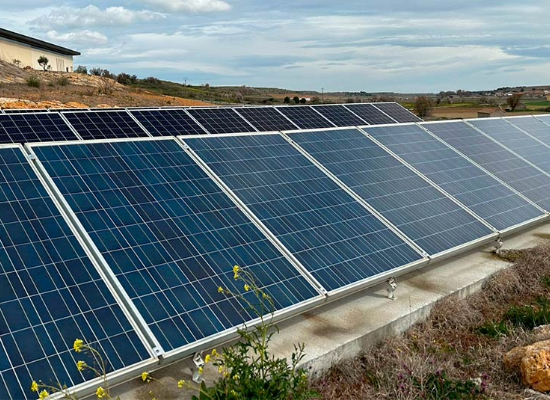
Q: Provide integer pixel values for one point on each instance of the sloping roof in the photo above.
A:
(17, 37)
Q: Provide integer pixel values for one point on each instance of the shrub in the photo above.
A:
(81, 69)
(33, 81)
(63, 81)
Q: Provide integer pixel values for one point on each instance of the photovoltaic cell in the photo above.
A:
(371, 114)
(22, 110)
(265, 118)
(526, 179)
(220, 120)
(167, 122)
(337, 239)
(40, 127)
(305, 117)
(339, 115)
(544, 118)
(104, 124)
(533, 126)
(515, 140)
(424, 214)
(397, 112)
(170, 236)
(480, 192)
(50, 292)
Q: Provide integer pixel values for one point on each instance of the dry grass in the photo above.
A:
(448, 343)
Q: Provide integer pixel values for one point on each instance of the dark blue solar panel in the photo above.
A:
(170, 235)
(397, 112)
(423, 213)
(104, 124)
(41, 127)
(369, 113)
(25, 110)
(533, 126)
(305, 117)
(220, 120)
(266, 119)
(340, 115)
(522, 176)
(167, 122)
(337, 239)
(473, 187)
(50, 292)
(515, 140)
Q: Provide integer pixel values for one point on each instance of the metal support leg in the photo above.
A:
(199, 363)
(498, 245)
(392, 286)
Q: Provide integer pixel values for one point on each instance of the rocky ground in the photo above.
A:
(72, 90)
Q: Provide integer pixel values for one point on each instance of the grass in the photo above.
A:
(457, 352)
(33, 81)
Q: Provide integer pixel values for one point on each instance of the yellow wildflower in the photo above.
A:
(236, 377)
(214, 353)
(207, 358)
(200, 370)
(144, 376)
(233, 392)
(34, 386)
(78, 344)
(236, 269)
(220, 289)
(264, 296)
(100, 392)
(246, 287)
(220, 369)
(181, 383)
(80, 365)
(43, 394)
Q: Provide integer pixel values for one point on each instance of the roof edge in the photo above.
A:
(4, 33)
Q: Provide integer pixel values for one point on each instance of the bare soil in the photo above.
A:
(449, 343)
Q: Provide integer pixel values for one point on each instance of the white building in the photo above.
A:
(26, 50)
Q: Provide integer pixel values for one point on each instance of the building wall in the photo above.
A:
(10, 50)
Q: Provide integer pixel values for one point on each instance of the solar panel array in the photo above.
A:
(130, 239)
(424, 214)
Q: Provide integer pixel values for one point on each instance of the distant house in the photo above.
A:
(26, 50)
(491, 112)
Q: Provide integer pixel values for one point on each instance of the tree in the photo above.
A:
(287, 100)
(43, 62)
(303, 100)
(296, 99)
(423, 106)
(81, 69)
(514, 100)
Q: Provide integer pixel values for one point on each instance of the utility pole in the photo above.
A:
(322, 95)
(185, 79)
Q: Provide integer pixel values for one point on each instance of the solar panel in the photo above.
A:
(337, 239)
(397, 112)
(40, 127)
(516, 172)
(220, 120)
(104, 124)
(170, 236)
(515, 140)
(480, 192)
(25, 110)
(305, 117)
(339, 115)
(371, 114)
(544, 118)
(423, 213)
(167, 122)
(534, 127)
(266, 119)
(50, 292)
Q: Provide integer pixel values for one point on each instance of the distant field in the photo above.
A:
(537, 104)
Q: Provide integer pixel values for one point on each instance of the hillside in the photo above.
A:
(71, 90)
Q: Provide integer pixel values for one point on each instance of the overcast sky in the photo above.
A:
(350, 45)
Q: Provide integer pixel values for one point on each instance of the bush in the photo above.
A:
(63, 81)
(81, 69)
(33, 81)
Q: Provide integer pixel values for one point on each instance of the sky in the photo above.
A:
(352, 45)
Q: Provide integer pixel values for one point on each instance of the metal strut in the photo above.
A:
(392, 286)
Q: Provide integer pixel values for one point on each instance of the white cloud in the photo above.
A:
(80, 37)
(194, 6)
(91, 16)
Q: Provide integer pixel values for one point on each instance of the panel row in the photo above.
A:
(27, 126)
(131, 238)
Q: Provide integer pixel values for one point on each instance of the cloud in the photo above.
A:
(92, 16)
(85, 37)
(193, 6)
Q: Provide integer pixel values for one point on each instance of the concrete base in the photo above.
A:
(348, 326)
